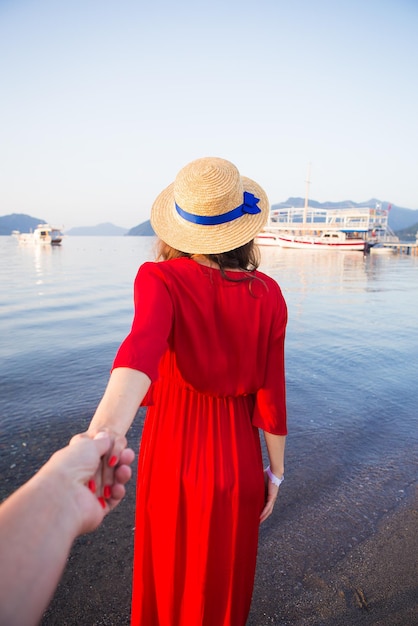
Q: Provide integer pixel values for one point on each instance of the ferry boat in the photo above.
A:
(353, 228)
(324, 229)
(44, 234)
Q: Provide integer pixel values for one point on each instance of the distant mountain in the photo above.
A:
(101, 230)
(144, 229)
(399, 217)
(408, 234)
(19, 221)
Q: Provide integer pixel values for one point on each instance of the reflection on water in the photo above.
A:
(352, 339)
(302, 273)
(325, 262)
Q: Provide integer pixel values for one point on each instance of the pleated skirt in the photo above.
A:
(200, 492)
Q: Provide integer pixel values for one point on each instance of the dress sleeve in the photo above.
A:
(148, 339)
(270, 402)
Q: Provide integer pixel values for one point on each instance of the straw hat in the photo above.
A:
(209, 208)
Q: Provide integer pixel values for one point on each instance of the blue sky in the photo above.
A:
(102, 102)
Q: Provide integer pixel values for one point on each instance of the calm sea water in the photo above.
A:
(352, 347)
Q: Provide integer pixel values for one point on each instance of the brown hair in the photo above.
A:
(246, 257)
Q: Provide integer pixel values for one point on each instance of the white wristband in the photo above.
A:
(274, 479)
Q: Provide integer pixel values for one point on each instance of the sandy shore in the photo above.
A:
(312, 569)
(375, 583)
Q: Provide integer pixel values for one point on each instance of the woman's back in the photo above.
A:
(220, 329)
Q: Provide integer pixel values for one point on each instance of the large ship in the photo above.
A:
(321, 229)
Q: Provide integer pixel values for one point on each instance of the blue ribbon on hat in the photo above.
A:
(248, 206)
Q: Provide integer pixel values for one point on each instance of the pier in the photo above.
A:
(402, 248)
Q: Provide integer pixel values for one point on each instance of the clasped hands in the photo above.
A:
(113, 471)
(93, 471)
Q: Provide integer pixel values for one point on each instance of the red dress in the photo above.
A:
(214, 349)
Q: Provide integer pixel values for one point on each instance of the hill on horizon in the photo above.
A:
(103, 230)
(142, 230)
(408, 234)
(19, 221)
(26, 224)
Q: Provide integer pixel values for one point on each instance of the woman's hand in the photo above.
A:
(275, 448)
(271, 496)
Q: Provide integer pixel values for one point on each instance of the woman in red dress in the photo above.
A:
(206, 355)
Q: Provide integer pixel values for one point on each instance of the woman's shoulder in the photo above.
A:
(266, 286)
(267, 279)
(151, 266)
(164, 269)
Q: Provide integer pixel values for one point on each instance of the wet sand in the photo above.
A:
(312, 569)
(375, 583)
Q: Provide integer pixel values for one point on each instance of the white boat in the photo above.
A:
(313, 228)
(44, 234)
(327, 240)
(309, 228)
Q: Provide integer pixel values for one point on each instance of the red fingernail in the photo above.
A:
(112, 461)
(102, 502)
(107, 492)
(92, 486)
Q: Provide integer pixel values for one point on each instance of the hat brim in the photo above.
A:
(201, 239)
